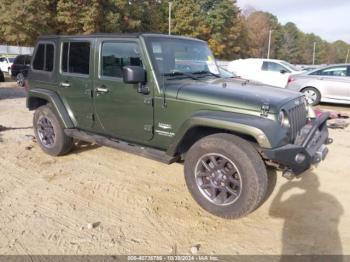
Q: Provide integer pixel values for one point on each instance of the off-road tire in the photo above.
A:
(62, 143)
(254, 178)
(317, 93)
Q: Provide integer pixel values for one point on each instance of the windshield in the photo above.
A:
(11, 59)
(171, 56)
(294, 68)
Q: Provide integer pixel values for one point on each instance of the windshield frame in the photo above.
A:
(153, 38)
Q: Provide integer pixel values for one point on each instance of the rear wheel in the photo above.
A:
(226, 175)
(312, 95)
(49, 132)
(20, 80)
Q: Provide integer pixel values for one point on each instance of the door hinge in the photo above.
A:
(148, 128)
(148, 101)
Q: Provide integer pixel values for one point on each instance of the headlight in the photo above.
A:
(283, 119)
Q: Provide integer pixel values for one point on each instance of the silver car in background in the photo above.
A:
(326, 84)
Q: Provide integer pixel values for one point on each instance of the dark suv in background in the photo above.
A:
(20, 67)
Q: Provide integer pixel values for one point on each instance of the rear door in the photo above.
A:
(335, 82)
(121, 111)
(75, 85)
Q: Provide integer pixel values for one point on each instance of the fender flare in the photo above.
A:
(266, 132)
(53, 98)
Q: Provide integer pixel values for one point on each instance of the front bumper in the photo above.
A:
(310, 147)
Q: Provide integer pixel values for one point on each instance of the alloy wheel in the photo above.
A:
(218, 179)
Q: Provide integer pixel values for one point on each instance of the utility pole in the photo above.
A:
(268, 50)
(314, 54)
(347, 56)
(170, 5)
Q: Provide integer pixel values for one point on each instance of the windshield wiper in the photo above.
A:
(204, 72)
(178, 73)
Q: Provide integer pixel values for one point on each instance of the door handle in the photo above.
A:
(64, 84)
(101, 89)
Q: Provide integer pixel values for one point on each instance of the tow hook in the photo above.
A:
(288, 174)
(329, 141)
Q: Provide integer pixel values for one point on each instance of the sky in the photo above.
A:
(326, 18)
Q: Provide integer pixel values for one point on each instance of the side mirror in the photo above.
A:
(134, 75)
(283, 71)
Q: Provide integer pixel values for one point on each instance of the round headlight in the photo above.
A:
(283, 119)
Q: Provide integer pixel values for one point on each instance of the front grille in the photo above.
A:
(297, 119)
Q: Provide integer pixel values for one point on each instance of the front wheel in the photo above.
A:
(312, 95)
(225, 175)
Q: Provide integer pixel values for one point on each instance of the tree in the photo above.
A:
(23, 21)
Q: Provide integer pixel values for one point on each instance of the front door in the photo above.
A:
(274, 74)
(75, 85)
(121, 111)
(335, 82)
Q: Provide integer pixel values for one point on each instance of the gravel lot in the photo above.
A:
(98, 200)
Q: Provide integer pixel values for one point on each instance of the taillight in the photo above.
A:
(12, 66)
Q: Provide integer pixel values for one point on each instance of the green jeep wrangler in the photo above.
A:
(164, 97)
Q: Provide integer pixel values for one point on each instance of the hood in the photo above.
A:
(232, 93)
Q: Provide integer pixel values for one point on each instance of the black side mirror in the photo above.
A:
(283, 71)
(134, 75)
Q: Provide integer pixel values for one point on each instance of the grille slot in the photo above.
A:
(297, 118)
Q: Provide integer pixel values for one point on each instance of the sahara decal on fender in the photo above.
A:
(164, 133)
(164, 126)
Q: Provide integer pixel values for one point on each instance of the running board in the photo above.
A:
(146, 152)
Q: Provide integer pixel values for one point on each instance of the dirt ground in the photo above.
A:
(98, 200)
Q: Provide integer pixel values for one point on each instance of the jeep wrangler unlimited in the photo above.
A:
(163, 97)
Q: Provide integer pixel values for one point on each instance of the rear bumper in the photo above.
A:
(310, 148)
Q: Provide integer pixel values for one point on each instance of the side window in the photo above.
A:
(2, 59)
(114, 56)
(332, 71)
(273, 67)
(76, 57)
(65, 57)
(38, 63)
(49, 57)
(44, 58)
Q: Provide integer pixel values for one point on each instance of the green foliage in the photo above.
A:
(230, 33)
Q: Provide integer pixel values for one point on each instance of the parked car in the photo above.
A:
(127, 91)
(19, 68)
(327, 84)
(6, 63)
(2, 77)
(268, 71)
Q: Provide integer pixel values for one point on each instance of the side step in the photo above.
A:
(147, 152)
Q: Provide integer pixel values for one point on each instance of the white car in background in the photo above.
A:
(6, 63)
(268, 71)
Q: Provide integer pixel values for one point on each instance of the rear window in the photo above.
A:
(76, 58)
(44, 58)
(19, 60)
